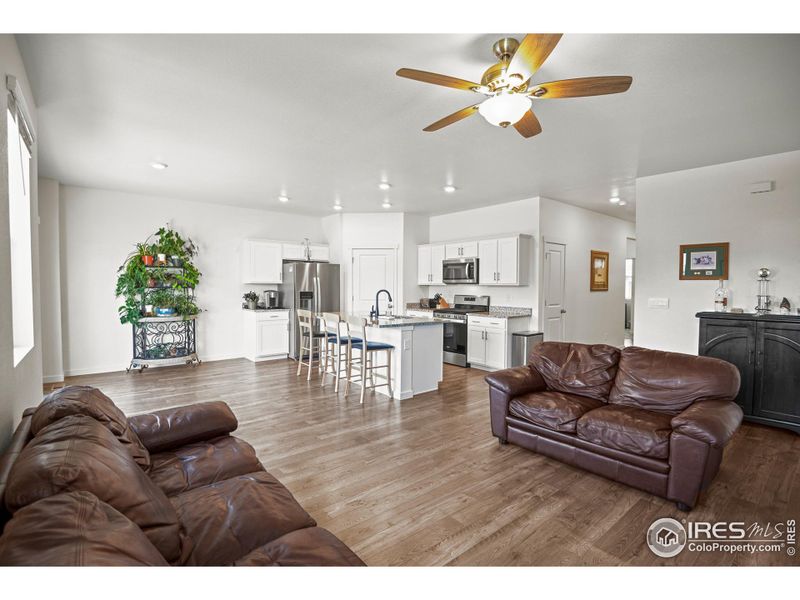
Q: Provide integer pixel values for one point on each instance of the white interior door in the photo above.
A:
(554, 310)
(373, 269)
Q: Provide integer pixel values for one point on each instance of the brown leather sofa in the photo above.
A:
(657, 421)
(81, 484)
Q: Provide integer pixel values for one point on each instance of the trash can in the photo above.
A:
(522, 342)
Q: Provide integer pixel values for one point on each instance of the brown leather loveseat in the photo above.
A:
(82, 484)
(657, 421)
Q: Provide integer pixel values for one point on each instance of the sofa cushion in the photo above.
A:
(75, 529)
(202, 463)
(554, 410)
(627, 428)
(228, 519)
(91, 402)
(669, 382)
(312, 546)
(78, 453)
(582, 369)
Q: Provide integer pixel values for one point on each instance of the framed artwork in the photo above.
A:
(703, 261)
(598, 271)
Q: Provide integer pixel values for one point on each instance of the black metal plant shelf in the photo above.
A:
(164, 340)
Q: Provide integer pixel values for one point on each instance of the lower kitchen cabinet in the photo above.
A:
(489, 340)
(766, 350)
(266, 334)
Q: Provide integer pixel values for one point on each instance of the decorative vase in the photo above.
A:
(176, 261)
(162, 311)
(148, 310)
(162, 259)
(147, 259)
(252, 304)
(151, 283)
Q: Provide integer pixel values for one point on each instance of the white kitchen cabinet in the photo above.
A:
(320, 252)
(476, 345)
(508, 261)
(489, 340)
(294, 252)
(423, 265)
(262, 262)
(499, 261)
(461, 249)
(266, 334)
(429, 264)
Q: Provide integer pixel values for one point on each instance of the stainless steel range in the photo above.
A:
(455, 326)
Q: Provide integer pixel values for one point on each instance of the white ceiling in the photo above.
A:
(241, 118)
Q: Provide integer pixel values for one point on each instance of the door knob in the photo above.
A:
(563, 312)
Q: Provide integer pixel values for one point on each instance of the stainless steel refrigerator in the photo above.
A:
(312, 286)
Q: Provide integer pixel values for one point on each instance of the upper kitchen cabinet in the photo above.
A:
(461, 250)
(320, 252)
(262, 262)
(429, 264)
(503, 261)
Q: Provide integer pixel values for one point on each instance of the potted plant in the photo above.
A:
(252, 300)
(146, 252)
(185, 306)
(164, 303)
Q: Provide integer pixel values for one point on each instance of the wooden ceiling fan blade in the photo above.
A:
(528, 126)
(450, 119)
(582, 86)
(437, 79)
(531, 54)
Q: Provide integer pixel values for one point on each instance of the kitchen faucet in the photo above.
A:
(375, 309)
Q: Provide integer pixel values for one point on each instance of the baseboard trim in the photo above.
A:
(97, 370)
(53, 378)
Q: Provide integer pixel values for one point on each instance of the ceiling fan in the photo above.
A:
(509, 89)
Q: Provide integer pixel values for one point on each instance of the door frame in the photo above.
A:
(542, 244)
(350, 253)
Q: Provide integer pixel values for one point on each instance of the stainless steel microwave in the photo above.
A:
(460, 270)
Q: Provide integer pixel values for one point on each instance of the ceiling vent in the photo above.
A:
(762, 187)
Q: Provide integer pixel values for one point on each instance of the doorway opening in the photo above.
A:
(630, 289)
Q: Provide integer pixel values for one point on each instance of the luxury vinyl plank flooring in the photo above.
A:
(423, 482)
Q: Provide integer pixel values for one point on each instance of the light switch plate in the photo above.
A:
(658, 303)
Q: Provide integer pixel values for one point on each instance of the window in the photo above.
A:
(19, 221)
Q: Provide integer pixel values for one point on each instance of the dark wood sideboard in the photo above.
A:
(766, 350)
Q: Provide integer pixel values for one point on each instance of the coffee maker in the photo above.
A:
(272, 299)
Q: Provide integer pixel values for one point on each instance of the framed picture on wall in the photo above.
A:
(703, 261)
(598, 271)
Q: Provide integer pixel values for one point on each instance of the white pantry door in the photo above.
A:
(553, 310)
(373, 269)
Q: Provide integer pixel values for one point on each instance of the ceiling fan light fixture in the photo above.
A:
(504, 109)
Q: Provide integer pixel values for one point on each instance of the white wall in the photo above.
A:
(713, 204)
(592, 317)
(510, 218)
(416, 231)
(50, 275)
(20, 386)
(100, 228)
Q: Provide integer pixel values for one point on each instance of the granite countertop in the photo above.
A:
(383, 322)
(278, 309)
(498, 312)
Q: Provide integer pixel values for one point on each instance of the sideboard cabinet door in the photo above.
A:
(778, 372)
(733, 341)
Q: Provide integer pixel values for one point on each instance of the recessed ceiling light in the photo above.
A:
(159, 166)
(283, 198)
(614, 200)
(622, 203)
(449, 188)
(386, 204)
(383, 185)
(337, 207)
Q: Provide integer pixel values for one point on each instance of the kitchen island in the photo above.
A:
(417, 354)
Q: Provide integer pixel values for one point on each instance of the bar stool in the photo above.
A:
(336, 343)
(367, 352)
(310, 340)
